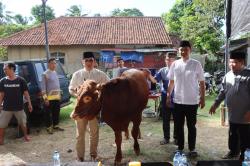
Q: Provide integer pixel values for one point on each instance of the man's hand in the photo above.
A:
(247, 116)
(30, 107)
(212, 110)
(73, 116)
(168, 102)
(202, 102)
(46, 102)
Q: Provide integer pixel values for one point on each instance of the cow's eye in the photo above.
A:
(87, 99)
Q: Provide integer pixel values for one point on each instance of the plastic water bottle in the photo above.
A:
(177, 159)
(183, 161)
(246, 161)
(56, 158)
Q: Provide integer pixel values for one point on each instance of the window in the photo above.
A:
(40, 70)
(23, 70)
(58, 55)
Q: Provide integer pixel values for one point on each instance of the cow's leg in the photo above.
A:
(139, 134)
(126, 134)
(135, 133)
(118, 141)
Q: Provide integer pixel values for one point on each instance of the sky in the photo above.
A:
(91, 7)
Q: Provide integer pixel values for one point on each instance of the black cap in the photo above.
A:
(185, 43)
(237, 55)
(88, 55)
(119, 59)
(171, 55)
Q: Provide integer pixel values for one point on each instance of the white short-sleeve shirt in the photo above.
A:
(186, 76)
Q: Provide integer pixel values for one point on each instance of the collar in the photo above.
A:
(84, 69)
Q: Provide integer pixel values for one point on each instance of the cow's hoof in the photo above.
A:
(137, 152)
(127, 138)
(117, 163)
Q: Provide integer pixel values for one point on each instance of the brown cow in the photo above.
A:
(121, 101)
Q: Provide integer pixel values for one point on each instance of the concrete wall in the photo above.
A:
(73, 54)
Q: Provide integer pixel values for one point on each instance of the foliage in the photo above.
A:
(199, 21)
(213, 63)
(37, 13)
(19, 19)
(127, 12)
(97, 15)
(5, 16)
(8, 29)
(3, 53)
(75, 11)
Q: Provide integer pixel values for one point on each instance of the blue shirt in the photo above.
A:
(161, 75)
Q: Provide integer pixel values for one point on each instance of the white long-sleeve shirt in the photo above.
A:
(81, 75)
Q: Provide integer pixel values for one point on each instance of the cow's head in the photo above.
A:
(88, 104)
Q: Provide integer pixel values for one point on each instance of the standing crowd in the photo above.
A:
(182, 93)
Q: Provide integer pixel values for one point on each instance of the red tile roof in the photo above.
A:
(94, 31)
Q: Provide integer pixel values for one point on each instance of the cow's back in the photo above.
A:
(124, 98)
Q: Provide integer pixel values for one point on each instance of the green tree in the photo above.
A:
(172, 18)
(97, 15)
(37, 13)
(19, 19)
(3, 53)
(7, 30)
(199, 21)
(127, 12)
(75, 11)
(5, 16)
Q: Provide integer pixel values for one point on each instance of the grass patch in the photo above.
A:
(66, 111)
(204, 113)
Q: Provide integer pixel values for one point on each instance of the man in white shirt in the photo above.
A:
(187, 79)
(87, 73)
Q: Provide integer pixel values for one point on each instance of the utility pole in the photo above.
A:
(46, 31)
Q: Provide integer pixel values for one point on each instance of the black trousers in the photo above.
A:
(52, 112)
(190, 112)
(166, 118)
(239, 138)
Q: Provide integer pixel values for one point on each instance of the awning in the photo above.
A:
(107, 56)
(140, 50)
(132, 56)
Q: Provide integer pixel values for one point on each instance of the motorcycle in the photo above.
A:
(218, 78)
(209, 83)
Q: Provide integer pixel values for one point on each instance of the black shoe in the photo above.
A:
(175, 142)
(164, 141)
(79, 159)
(50, 130)
(57, 128)
(193, 153)
(230, 155)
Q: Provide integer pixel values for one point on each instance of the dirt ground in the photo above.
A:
(211, 144)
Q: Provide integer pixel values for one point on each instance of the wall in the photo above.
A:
(73, 54)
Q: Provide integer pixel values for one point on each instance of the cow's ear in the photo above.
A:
(98, 93)
(99, 86)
